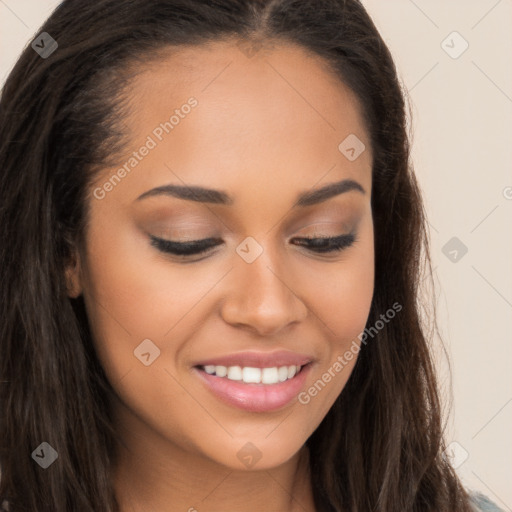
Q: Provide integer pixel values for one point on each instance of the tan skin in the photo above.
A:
(265, 129)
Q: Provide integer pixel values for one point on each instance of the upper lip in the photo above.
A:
(258, 359)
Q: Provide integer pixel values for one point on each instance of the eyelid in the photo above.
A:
(318, 245)
(339, 227)
(189, 246)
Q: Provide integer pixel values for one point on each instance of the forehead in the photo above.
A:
(280, 79)
(274, 112)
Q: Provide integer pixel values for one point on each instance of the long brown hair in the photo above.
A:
(380, 446)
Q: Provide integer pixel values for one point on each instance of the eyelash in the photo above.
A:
(319, 245)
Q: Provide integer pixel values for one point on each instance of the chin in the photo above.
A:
(261, 452)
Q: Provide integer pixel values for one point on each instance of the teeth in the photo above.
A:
(269, 375)
(221, 371)
(282, 373)
(235, 373)
(251, 375)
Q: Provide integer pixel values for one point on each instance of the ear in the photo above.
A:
(73, 274)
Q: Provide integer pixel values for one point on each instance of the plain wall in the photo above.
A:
(461, 120)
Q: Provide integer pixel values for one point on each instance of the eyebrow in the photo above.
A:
(208, 195)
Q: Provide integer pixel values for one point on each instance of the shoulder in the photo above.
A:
(482, 503)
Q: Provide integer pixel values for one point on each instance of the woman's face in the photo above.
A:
(260, 129)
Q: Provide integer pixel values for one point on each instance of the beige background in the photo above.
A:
(462, 113)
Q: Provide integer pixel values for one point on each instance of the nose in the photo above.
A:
(262, 298)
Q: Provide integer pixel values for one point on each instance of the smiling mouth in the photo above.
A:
(253, 388)
(253, 375)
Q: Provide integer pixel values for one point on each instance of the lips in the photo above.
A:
(268, 395)
(258, 359)
(254, 397)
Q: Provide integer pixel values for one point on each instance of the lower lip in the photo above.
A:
(255, 397)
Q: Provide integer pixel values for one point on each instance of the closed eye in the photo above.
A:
(328, 244)
(195, 247)
(184, 248)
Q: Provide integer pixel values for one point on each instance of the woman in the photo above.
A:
(211, 247)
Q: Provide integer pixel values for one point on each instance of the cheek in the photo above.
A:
(341, 300)
(133, 293)
(130, 284)
(341, 293)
